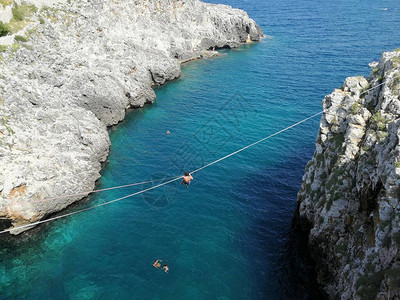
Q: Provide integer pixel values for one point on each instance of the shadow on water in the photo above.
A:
(271, 235)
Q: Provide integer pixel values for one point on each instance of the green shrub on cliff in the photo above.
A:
(20, 12)
(19, 19)
(49, 13)
(337, 139)
(20, 38)
(396, 84)
(370, 267)
(4, 29)
(4, 122)
(5, 3)
(379, 121)
(3, 48)
(333, 161)
(382, 135)
(14, 47)
(394, 277)
(319, 157)
(355, 108)
(396, 59)
(341, 248)
(368, 286)
(337, 196)
(29, 47)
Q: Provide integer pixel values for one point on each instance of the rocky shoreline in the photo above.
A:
(348, 205)
(69, 69)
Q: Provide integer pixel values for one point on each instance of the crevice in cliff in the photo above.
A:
(368, 198)
(153, 80)
(299, 268)
(214, 48)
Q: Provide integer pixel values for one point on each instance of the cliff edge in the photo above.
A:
(69, 69)
(348, 204)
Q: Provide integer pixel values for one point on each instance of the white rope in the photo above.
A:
(276, 133)
(382, 83)
(88, 208)
(154, 180)
(255, 143)
(167, 182)
(158, 185)
(105, 189)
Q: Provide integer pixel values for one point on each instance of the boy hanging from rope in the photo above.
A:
(186, 179)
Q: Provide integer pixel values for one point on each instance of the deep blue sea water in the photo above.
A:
(224, 236)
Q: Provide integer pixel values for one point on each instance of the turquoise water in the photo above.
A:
(224, 237)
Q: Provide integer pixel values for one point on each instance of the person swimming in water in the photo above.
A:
(157, 264)
(186, 179)
(165, 268)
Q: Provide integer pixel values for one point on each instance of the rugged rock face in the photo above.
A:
(77, 68)
(349, 199)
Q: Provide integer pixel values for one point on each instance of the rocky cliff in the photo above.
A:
(70, 69)
(348, 204)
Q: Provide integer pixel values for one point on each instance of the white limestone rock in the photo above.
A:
(352, 207)
(84, 64)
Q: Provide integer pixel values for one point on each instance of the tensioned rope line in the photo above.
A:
(154, 180)
(105, 189)
(89, 208)
(382, 83)
(276, 133)
(172, 180)
(160, 184)
(255, 143)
